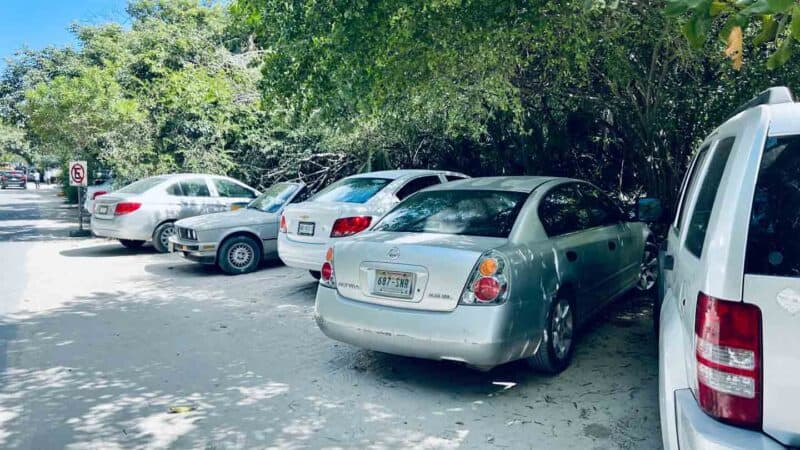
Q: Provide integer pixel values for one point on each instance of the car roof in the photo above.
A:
(784, 118)
(524, 184)
(396, 174)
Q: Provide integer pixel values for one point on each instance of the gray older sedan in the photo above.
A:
(484, 271)
(237, 241)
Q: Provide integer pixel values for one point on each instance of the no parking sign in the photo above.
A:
(77, 173)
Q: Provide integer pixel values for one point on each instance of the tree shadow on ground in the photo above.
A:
(107, 251)
(104, 371)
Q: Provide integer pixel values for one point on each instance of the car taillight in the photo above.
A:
(348, 226)
(98, 194)
(327, 278)
(488, 282)
(284, 228)
(126, 208)
(728, 351)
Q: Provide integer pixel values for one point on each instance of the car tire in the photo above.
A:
(238, 255)
(161, 236)
(555, 354)
(316, 274)
(131, 243)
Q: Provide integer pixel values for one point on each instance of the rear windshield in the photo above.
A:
(142, 186)
(462, 212)
(351, 190)
(773, 247)
(274, 198)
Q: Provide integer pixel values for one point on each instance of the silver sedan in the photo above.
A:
(237, 241)
(147, 209)
(484, 271)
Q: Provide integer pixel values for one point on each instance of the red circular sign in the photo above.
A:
(78, 173)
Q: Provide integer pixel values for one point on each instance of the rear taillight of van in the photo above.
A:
(728, 351)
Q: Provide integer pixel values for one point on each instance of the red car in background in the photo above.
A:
(13, 178)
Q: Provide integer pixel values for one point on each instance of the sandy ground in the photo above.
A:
(97, 343)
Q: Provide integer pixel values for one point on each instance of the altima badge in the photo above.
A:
(394, 252)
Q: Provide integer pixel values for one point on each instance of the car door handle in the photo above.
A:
(668, 262)
(572, 256)
(612, 245)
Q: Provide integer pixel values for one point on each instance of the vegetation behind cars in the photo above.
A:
(269, 90)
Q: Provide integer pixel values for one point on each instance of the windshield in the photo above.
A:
(351, 190)
(462, 212)
(142, 186)
(274, 198)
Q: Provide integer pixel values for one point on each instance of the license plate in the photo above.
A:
(102, 209)
(394, 284)
(305, 228)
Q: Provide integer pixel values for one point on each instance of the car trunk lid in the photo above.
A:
(371, 268)
(312, 222)
(105, 205)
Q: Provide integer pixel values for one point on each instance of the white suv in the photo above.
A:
(729, 372)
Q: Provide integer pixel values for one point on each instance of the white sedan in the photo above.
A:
(345, 208)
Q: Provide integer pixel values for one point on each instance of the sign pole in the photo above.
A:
(78, 177)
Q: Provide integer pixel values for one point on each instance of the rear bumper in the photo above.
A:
(696, 430)
(202, 252)
(301, 255)
(19, 184)
(122, 227)
(474, 335)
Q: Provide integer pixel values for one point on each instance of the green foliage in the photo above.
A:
(775, 23)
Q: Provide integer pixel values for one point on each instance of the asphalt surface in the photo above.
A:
(98, 344)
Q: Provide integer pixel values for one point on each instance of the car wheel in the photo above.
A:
(161, 236)
(648, 273)
(555, 353)
(130, 243)
(239, 254)
(316, 274)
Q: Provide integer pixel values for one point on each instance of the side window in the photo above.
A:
(688, 184)
(602, 210)
(562, 211)
(698, 223)
(227, 188)
(194, 188)
(175, 189)
(417, 184)
(454, 177)
(772, 244)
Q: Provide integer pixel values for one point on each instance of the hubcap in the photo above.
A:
(240, 255)
(165, 235)
(649, 269)
(561, 331)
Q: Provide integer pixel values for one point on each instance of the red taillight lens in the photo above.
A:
(327, 271)
(728, 350)
(126, 208)
(283, 228)
(98, 194)
(486, 289)
(348, 226)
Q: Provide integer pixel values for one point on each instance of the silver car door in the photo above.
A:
(579, 261)
(230, 194)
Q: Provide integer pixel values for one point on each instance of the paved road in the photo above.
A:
(97, 342)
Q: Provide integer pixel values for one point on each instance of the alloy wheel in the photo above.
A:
(240, 255)
(648, 274)
(561, 328)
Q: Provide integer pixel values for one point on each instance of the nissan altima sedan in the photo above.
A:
(237, 241)
(484, 271)
(345, 208)
(147, 209)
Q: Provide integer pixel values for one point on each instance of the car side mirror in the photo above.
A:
(648, 210)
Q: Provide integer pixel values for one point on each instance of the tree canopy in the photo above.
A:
(266, 90)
